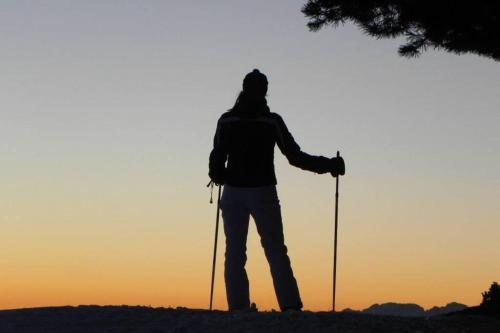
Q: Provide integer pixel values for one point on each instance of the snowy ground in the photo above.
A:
(118, 319)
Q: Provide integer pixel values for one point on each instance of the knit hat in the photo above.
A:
(254, 80)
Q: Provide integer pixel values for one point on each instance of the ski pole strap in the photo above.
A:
(211, 185)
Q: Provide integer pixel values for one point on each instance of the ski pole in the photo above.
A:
(335, 238)
(215, 248)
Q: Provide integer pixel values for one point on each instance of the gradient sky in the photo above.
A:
(107, 114)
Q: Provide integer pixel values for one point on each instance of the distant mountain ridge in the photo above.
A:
(410, 309)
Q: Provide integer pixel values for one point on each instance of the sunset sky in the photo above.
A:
(107, 115)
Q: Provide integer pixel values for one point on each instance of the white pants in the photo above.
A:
(237, 205)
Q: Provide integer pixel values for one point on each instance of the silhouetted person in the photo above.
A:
(245, 139)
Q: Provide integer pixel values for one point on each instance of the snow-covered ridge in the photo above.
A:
(140, 319)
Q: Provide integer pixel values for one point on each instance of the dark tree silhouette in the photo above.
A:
(455, 26)
(491, 298)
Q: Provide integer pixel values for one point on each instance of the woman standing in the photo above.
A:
(245, 139)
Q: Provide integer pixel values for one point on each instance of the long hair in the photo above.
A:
(250, 103)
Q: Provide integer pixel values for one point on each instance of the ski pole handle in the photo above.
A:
(338, 155)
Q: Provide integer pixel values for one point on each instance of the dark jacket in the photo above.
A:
(246, 141)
